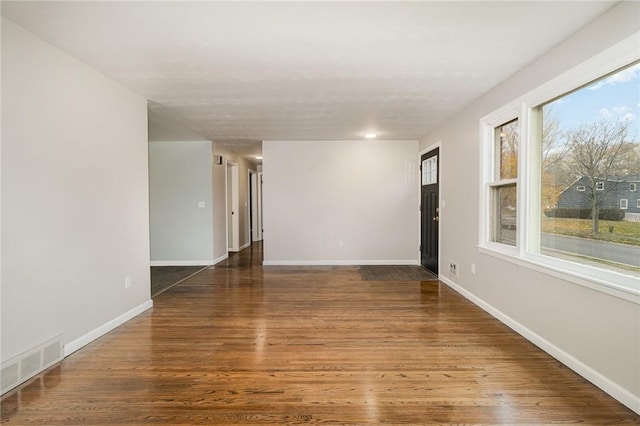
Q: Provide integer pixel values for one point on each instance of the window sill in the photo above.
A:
(622, 286)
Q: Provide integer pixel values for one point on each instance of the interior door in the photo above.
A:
(429, 209)
(233, 223)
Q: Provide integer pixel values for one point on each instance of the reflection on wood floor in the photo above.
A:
(246, 344)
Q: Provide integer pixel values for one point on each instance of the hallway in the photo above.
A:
(247, 344)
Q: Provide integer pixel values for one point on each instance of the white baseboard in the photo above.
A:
(182, 262)
(220, 259)
(337, 262)
(244, 246)
(78, 343)
(613, 389)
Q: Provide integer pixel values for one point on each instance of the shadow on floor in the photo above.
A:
(396, 273)
(165, 277)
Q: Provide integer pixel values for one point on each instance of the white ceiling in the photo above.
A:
(237, 72)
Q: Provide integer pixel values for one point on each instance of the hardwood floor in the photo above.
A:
(246, 344)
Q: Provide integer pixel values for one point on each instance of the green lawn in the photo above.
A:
(617, 232)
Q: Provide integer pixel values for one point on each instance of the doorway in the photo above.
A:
(233, 223)
(429, 209)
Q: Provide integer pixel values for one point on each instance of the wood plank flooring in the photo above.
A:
(246, 344)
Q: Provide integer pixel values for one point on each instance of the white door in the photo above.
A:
(233, 224)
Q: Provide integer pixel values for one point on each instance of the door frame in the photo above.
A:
(254, 209)
(437, 145)
(233, 199)
(259, 206)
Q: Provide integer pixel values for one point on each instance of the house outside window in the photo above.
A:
(599, 186)
(581, 188)
(624, 204)
(632, 186)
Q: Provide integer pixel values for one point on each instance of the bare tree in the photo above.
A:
(597, 152)
(555, 174)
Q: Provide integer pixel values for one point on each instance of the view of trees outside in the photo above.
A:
(591, 173)
(507, 138)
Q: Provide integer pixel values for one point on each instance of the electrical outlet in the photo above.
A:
(127, 281)
(473, 268)
(453, 268)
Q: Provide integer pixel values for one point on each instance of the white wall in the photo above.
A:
(181, 229)
(75, 214)
(595, 333)
(340, 202)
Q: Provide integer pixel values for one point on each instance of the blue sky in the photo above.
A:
(616, 97)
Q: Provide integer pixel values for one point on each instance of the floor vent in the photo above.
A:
(21, 368)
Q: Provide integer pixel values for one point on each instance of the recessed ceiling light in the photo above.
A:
(370, 136)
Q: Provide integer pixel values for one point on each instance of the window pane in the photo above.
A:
(505, 214)
(590, 164)
(430, 170)
(507, 140)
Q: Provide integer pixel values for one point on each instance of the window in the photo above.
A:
(503, 187)
(430, 170)
(600, 150)
(567, 135)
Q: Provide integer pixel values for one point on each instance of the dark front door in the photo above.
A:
(429, 209)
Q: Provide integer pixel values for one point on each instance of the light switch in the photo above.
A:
(201, 204)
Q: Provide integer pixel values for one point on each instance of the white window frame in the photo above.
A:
(624, 204)
(600, 186)
(632, 187)
(638, 203)
(490, 167)
(581, 188)
(430, 171)
(526, 253)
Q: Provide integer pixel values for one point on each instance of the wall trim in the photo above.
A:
(182, 262)
(607, 385)
(100, 331)
(244, 246)
(338, 262)
(220, 258)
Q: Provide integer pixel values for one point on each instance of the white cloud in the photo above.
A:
(623, 76)
(605, 112)
(621, 109)
(628, 117)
